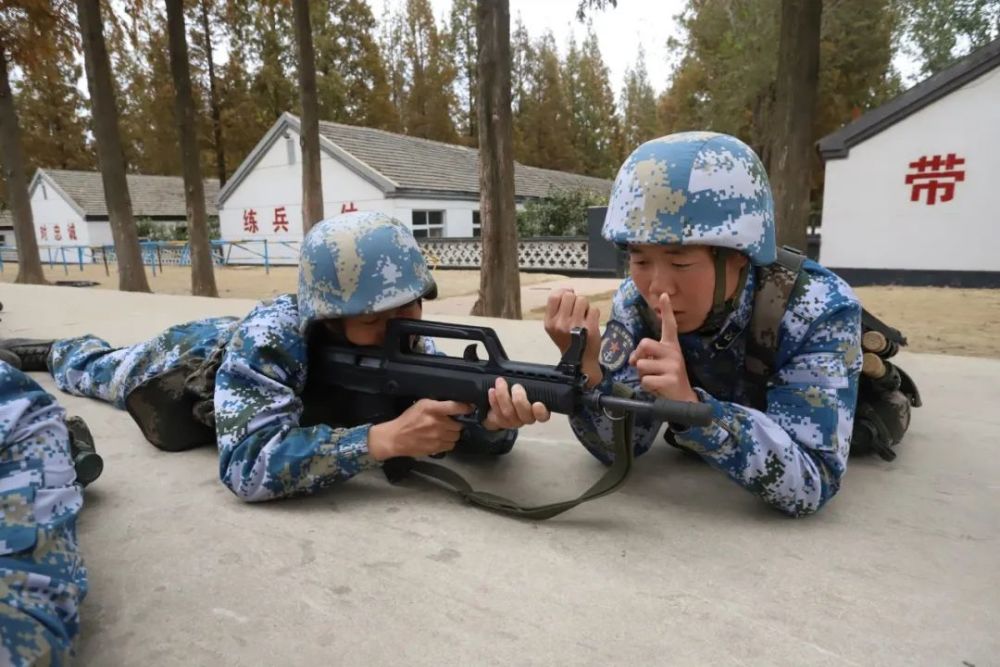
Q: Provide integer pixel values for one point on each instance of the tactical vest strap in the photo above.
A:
(772, 292)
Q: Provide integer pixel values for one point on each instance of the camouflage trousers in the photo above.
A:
(42, 575)
(89, 366)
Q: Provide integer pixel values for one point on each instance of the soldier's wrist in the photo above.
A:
(594, 373)
(380, 441)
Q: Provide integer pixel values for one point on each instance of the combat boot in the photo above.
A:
(32, 352)
(10, 358)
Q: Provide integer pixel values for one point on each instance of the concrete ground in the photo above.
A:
(681, 567)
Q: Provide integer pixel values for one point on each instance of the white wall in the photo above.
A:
(457, 214)
(9, 239)
(51, 210)
(868, 218)
(99, 233)
(276, 182)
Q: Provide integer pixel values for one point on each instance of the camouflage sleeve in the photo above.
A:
(593, 428)
(793, 457)
(263, 452)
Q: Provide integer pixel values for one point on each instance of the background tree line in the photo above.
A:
(209, 76)
(407, 71)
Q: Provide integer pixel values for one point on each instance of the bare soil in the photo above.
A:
(940, 320)
(963, 322)
(249, 282)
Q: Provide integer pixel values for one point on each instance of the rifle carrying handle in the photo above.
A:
(397, 329)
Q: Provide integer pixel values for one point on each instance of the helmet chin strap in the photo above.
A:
(722, 307)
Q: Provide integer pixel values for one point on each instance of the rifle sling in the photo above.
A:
(611, 481)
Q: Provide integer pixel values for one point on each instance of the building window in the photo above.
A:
(3, 239)
(290, 148)
(477, 225)
(45, 193)
(428, 224)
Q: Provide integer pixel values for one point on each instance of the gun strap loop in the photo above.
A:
(611, 481)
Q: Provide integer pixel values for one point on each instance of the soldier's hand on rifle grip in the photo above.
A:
(425, 428)
(565, 311)
(510, 408)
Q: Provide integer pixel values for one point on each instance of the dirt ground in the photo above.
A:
(940, 320)
(250, 282)
(963, 322)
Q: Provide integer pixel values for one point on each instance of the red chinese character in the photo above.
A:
(250, 221)
(72, 231)
(348, 208)
(57, 233)
(280, 220)
(933, 175)
(44, 232)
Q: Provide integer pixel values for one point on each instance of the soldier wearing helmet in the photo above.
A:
(695, 213)
(244, 383)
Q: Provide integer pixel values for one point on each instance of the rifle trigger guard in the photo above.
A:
(474, 418)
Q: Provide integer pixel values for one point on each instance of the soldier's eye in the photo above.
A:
(682, 266)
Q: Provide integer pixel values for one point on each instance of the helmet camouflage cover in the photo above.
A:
(694, 188)
(359, 264)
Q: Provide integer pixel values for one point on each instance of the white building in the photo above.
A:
(7, 239)
(911, 187)
(69, 207)
(429, 185)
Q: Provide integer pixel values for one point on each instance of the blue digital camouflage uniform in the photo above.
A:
(790, 449)
(352, 264)
(42, 575)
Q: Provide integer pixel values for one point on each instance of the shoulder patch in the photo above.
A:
(616, 346)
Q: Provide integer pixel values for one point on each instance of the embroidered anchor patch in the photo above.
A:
(616, 345)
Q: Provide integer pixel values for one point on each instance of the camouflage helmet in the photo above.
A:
(694, 188)
(358, 264)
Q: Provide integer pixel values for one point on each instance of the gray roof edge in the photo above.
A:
(251, 160)
(425, 193)
(40, 174)
(288, 120)
(359, 167)
(837, 145)
(567, 174)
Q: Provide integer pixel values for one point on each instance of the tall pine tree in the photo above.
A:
(639, 123)
(464, 48)
(47, 94)
(545, 112)
(427, 111)
(595, 122)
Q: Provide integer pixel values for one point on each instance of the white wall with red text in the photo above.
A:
(267, 204)
(57, 221)
(870, 220)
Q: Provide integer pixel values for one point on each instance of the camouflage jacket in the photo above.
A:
(264, 451)
(791, 451)
(42, 575)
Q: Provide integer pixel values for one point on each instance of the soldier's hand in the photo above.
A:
(661, 363)
(565, 311)
(425, 428)
(510, 408)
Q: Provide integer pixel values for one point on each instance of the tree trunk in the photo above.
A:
(796, 93)
(213, 95)
(499, 280)
(312, 183)
(29, 264)
(110, 157)
(202, 275)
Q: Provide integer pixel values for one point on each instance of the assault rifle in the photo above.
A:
(397, 370)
